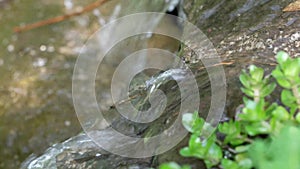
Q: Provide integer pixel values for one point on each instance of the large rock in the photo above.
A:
(243, 31)
(81, 152)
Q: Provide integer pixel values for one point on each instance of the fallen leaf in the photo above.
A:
(295, 6)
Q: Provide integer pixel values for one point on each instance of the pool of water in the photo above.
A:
(36, 66)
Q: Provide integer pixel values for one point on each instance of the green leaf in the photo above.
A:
(188, 121)
(270, 109)
(288, 98)
(185, 152)
(229, 164)
(248, 92)
(207, 130)
(186, 167)
(293, 109)
(208, 163)
(298, 118)
(281, 152)
(280, 77)
(282, 57)
(293, 69)
(280, 113)
(214, 154)
(283, 82)
(276, 126)
(256, 128)
(256, 73)
(245, 79)
(245, 100)
(232, 129)
(243, 161)
(253, 111)
(241, 149)
(193, 123)
(277, 72)
(205, 149)
(267, 90)
(195, 143)
(297, 80)
(173, 165)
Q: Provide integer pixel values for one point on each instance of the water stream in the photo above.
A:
(36, 67)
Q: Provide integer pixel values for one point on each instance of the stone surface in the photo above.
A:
(243, 31)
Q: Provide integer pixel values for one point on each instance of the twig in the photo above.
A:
(218, 64)
(57, 19)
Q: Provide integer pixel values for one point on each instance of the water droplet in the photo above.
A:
(68, 4)
(50, 49)
(96, 12)
(43, 48)
(102, 21)
(67, 123)
(40, 62)
(10, 48)
(148, 35)
(32, 52)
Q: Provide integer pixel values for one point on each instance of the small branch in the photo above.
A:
(256, 95)
(231, 150)
(248, 140)
(270, 64)
(57, 19)
(218, 64)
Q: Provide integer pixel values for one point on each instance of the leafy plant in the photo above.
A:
(173, 165)
(279, 153)
(265, 135)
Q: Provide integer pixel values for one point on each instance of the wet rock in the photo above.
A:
(81, 152)
(244, 32)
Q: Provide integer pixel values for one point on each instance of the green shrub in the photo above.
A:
(264, 136)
